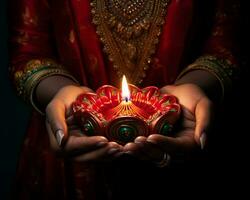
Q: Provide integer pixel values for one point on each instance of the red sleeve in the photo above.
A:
(220, 52)
(223, 41)
(30, 32)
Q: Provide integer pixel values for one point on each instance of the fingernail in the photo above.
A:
(128, 152)
(203, 139)
(113, 150)
(138, 142)
(140, 139)
(59, 136)
(101, 144)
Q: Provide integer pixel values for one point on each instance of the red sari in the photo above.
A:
(63, 30)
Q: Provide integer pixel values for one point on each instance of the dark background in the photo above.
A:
(226, 166)
(13, 114)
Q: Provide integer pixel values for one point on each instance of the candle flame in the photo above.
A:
(125, 89)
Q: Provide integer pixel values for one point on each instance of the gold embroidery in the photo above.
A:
(28, 19)
(22, 38)
(33, 66)
(72, 36)
(93, 63)
(223, 70)
(129, 31)
(219, 32)
(35, 71)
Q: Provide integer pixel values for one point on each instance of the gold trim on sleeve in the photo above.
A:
(223, 70)
(33, 73)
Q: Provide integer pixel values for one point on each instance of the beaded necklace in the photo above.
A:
(129, 30)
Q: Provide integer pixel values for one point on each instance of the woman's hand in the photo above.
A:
(195, 121)
(64, 132)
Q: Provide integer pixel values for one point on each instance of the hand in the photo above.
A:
(64, 132)
(195, 121)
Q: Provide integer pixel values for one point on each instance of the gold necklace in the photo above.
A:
(129, 30)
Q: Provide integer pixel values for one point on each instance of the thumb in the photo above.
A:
(55, 117)
(203, 115)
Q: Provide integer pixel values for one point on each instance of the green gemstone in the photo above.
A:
(88, 128)
(166, 128)
(126, 134)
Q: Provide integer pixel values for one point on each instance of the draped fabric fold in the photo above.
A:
(63, 30)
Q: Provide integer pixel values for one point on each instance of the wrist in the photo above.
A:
(49, 87)
(68, 93)
(34, 82)
(208, 83)
(219, 73)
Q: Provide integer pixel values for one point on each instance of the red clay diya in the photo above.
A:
(121, 116)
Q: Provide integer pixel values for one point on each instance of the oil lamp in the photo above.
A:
(123, 115)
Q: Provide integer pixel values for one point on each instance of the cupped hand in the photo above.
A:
(65, 135)
(194, 124)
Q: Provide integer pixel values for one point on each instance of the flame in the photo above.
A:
(125, 90)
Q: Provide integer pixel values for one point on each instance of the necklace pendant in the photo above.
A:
(129, 31)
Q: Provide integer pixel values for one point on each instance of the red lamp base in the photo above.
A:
(105, 113)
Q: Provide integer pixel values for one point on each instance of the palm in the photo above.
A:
(59, 117)
(73, 126)
(195, 118)
(196, 109)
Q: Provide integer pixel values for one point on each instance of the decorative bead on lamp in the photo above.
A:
(121, 116)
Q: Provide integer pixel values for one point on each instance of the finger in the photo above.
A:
(70, 120)
(55, 116)
(100, 154)
(169, 89)
(151, 150)
(135, 150)
(73, 127)
(77, 145)
(188, 115)
(131, 148)
(183, 143)
(203, 114)
(144, 150)
(53, 142)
